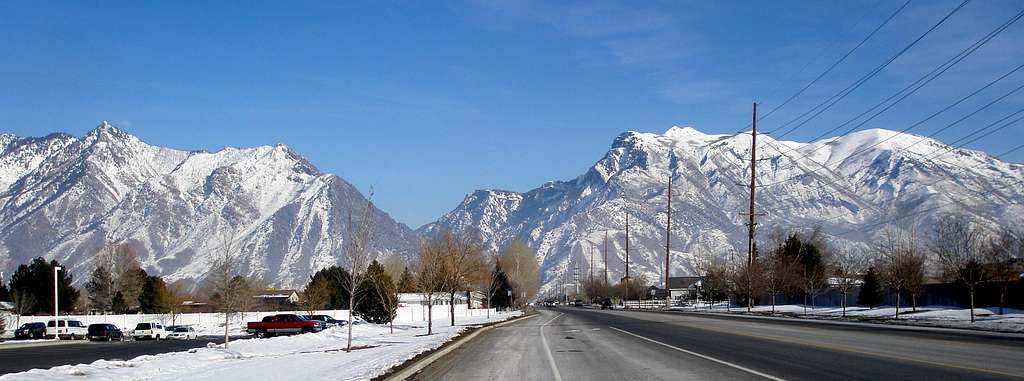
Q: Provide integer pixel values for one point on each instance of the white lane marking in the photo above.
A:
(547, 350)
(706, 357)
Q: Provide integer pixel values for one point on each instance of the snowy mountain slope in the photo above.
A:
(64, 197)
(862, 179)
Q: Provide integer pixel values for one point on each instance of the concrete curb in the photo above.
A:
(40, 344)
(410, 369)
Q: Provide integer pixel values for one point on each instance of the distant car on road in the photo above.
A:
(66, 329)
(183, 333)
(30, 331)
(577, 303)
(283, 324)
(104, 332)
(153, 331)
(327, 320)
(606, 304)
(550, 304)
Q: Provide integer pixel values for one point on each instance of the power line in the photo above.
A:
(835, 98)
(922, 81)
(837, 62)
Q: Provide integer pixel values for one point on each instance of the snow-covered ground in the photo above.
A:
(303, 357)
(987, 319)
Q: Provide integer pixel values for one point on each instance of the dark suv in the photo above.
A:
(30, 331)
(326, 320)
(104, 332)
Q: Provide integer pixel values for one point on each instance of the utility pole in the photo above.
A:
(576, 279)
(626, 279)
(668, 235)
(591, 265)
(627, 248)
(753, 187)
(606, 257)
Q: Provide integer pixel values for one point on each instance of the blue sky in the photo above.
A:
(427, 101)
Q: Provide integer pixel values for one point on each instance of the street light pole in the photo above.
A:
(56, 313)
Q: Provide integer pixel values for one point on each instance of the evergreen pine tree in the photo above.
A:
(376, 300)
(5, 293)
(871, 290)
(335, 278)
(406, 283)
(35, 280)
(154, 298)
(117, 304)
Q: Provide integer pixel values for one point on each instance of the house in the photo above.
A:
(276, 300)
(192, 306)
(683, 288)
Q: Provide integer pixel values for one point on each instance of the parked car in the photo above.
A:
(283, 324)
(66, 329)
(183, 333)
(153, 331)
(104, 332)
(30, 331)
(327, 320)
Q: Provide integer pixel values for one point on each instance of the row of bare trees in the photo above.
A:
(956, 250)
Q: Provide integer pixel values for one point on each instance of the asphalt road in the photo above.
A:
(584, 344)
(83, 352)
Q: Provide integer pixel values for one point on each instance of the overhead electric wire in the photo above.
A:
(927, 78)
(835, 98)
(837, 62)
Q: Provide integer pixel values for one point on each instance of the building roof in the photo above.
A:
(275, 294)
(681, 282)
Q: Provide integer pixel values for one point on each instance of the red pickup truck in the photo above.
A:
(284, 324)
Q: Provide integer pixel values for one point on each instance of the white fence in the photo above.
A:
(209, 322)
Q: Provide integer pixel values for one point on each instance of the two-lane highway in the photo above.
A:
(584, 344)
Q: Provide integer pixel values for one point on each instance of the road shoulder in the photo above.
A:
(416, 364)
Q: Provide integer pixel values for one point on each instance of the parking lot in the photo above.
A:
(32, 355)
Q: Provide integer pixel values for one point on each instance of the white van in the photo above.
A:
(66, 329)
(153, 331)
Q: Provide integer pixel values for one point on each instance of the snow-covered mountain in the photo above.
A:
(63, 197)
(849, 185)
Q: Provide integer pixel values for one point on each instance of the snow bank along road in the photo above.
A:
(585, 344)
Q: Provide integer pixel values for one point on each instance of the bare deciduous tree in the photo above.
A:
(1004, 257)
(747, 280)
(956, 245)
(393, 264)
(900, 262)
(781, 275)
(358, 254)
(220, 276)
(464, 260)
(847, 266)
(520, 264)
(430, 277)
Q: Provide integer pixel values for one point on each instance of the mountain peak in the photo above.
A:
(683, 131)
(105, 130)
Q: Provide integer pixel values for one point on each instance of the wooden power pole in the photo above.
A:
(668, 235)
(606, 258)
(591, 265)
(627, 250)
(753, 187)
